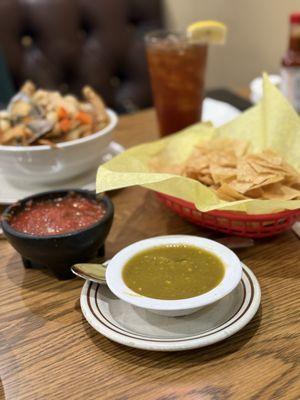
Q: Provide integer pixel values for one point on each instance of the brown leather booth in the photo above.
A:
(64, 44)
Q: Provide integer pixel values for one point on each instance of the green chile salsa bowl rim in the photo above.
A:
(232, 274)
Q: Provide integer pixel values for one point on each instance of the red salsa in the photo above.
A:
(57, 216)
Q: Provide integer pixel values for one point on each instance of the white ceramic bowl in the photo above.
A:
(174, 308)
(43, 164)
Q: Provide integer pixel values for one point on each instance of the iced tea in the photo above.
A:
(177, 70)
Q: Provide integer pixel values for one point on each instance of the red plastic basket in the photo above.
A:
(233, 223)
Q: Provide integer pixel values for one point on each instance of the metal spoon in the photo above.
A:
(91, 272)
(96, 272)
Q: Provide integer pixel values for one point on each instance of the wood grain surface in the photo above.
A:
(48, 350)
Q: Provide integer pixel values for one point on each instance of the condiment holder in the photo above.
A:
(59, 252)
(113, 275)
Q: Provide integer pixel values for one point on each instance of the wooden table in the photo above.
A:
(48, 350)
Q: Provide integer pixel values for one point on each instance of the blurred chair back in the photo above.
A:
(65, 44)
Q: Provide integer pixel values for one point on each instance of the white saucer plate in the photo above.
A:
(135, 327)
(9, 193)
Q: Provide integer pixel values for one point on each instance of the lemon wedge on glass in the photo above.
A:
(211, 32)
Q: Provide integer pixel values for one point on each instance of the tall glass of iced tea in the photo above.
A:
(177, 70)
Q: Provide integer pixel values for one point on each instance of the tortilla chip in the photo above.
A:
(222, 174)
(224, 165)
(260, 181)
(280, 192)
(229, 191)
(270, 156)
(256, 193)
(245, 172)
(206, 180)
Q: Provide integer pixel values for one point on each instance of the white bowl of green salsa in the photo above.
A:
(173, 275)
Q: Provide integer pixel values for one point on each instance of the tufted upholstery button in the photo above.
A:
(26, 41)
(65, 44)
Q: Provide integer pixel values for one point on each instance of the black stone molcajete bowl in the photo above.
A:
(59, 252)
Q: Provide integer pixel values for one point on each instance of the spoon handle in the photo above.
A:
(93, 272)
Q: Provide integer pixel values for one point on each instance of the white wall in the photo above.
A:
(257, 37)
